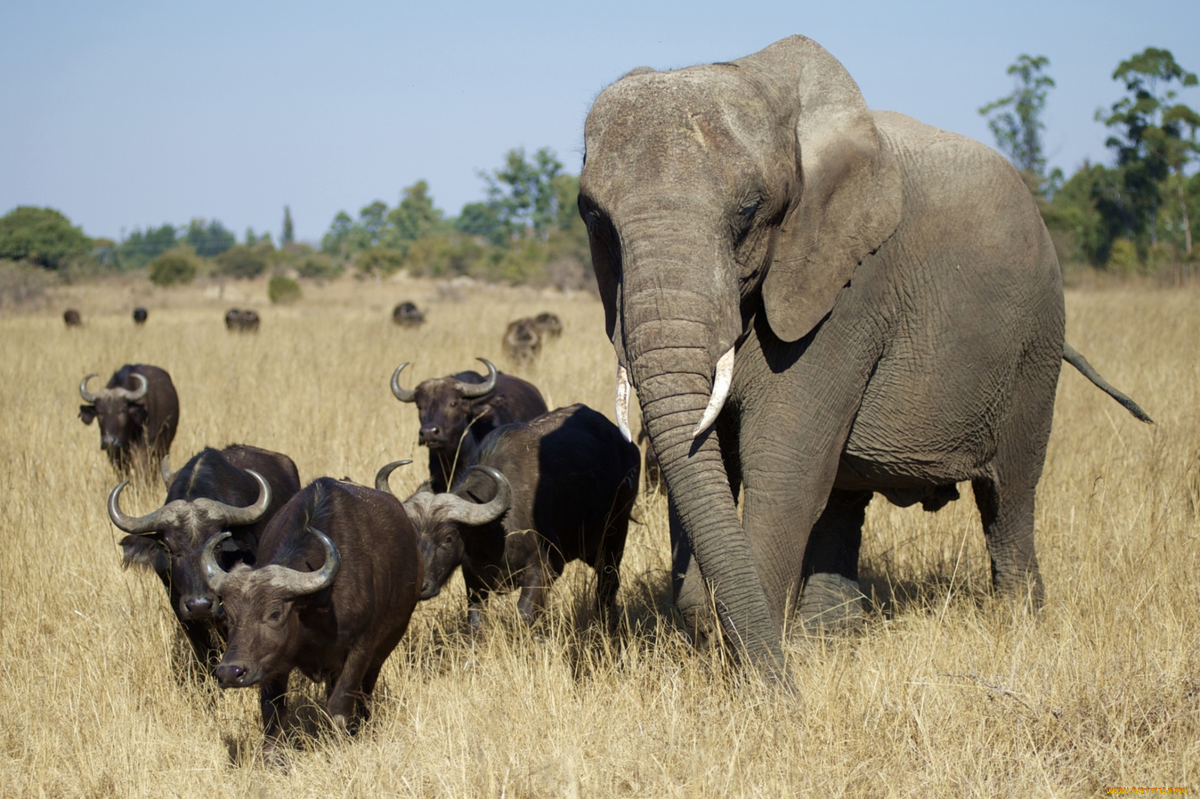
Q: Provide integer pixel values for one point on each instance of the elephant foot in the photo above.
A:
(831, 603)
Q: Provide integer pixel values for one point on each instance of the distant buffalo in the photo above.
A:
(241, 321)
(549, 324)
(539, 495)
(406, 315)
(138, 412)
(71, 318)
(522, 340)
(238, 489)
(139, 316)
(459, 410)
(337, 578)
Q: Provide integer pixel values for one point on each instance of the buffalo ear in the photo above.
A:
(87, 413)
(849, 184)
(146, 552)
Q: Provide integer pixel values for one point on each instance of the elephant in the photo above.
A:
(816, 302)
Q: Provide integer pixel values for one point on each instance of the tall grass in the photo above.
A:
(944, 693)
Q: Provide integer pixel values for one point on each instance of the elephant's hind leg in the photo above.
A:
(830, 598)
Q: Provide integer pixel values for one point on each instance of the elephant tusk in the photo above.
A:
(720, 392)
(623, 402)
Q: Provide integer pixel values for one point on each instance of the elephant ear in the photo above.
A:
(849, 184)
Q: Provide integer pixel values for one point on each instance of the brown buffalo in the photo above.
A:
(539, 495)
(241, 321)
(337, 578)
(71, 318)
(522, 340)
(406, 315)
(459, 410)
(140, 315)
(138, 412)
(548, 324)
(238, 489)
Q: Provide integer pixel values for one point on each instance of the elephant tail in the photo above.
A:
(1072, 356)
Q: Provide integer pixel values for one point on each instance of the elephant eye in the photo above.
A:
(745, 218)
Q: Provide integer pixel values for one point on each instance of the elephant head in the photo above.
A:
(711, 195)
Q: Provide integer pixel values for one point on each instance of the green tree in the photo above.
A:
(337, 240)
(522, 192)
(1016, 119)
(1148, 134)
(415, 216)
(41, 236)
(289, 231)
(209, 239)
(174, 267)
(372, 220)
(483, 219)
(241, 261)
(140, 248)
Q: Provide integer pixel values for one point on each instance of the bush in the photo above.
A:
(383, 261)
(241, 262)
(319, 266)
(282, 290)
(174, 267)
(1123, 259)
(22, 284)
(41, 236)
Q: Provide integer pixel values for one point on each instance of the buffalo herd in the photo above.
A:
(266, 576)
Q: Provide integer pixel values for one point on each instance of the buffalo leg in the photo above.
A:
(346, 694)
(477, 595)
(272, 700)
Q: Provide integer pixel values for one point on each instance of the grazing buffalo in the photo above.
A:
(239, 489)
(539, 495)
(337, 578)
(243, 321)
(522, 340)
(458, 411)
(139, 316)
(548, 324)
(138, 412)
(71, 318)
(406, 315)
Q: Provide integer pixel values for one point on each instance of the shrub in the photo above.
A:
(383, 261)
(241, 262)
(173, 267)
(1123, 259)
(319, 266)
(282, 290)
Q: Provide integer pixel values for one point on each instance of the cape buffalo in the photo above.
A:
(406, 315)
(71, 318)
(139, 316)
(539, 495)
(458, 411)
(237, 489)
(522, 340)
(548, 324)
(138, 412)
(243, 321)
(337, 578)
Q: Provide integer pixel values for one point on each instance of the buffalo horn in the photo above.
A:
(164, 468)
(83, 392)
(233, 516)
(297, 582)
(214, 575)
(137, 525)
(381, 476)
(402, 394)
(138, 393)
(472, 514)
(479, 389)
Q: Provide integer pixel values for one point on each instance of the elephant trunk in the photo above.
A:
(674, 338)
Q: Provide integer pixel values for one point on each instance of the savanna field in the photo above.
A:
(944, 692)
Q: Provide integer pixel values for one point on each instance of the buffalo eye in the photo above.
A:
(274, 617)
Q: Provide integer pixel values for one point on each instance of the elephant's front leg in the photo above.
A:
(830, 597)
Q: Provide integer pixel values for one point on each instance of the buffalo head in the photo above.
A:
(122, 414)
(447, 405)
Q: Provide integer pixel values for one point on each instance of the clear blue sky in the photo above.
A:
(130, 114)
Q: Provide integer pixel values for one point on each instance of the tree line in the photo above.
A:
(1131, 216)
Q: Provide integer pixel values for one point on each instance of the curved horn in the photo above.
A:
(136, 394)
(403, 395)
(164, 469)
(233, 516)
(214, 575)
(298, 582)
(472, 514)
(137, 525)
(381, 476)
(470, 390)
(720, 392)
(83, 392)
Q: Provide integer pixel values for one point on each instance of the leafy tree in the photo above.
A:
(318, 266)
(140, 248)
(210, 239)
(372, 219)
(289, 231)
(384, 261)
(1016, 120)
(336, 241)
(174, 267)
(1148, 138)
(522, 192)
(415, 216)
(241, 261)
(41, 236)
(483, 219)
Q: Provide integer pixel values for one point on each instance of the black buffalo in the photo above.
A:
(241, 321)
(71, 318)
(238, 489)
(549, 324)
(458, 411)
(538, 496)
(140, 315)
(522, 340)
(138, 412)
(337, 578)
(406, 314)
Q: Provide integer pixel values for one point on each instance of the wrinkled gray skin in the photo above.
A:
(892, 300)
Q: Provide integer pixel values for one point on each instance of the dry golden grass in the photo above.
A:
(945, 693)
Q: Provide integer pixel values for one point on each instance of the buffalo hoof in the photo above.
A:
(831, 604)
